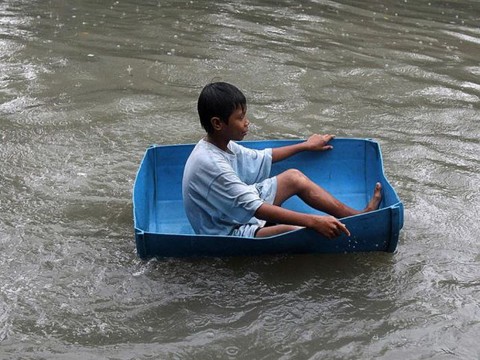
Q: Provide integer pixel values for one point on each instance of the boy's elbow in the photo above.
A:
(260, 212)
(266, 212)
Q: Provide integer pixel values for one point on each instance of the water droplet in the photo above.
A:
(232, 350)
(283, 349)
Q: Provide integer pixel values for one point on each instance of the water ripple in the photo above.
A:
(84, 88)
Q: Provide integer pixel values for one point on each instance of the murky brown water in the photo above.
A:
(86, 86)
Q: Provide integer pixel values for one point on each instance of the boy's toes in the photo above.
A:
(376, 198)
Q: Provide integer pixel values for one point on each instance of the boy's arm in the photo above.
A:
(313, 143)
(328, 226)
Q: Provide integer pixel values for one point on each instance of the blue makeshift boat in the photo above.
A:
(349, 172)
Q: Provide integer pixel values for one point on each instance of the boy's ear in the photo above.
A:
(216, 123)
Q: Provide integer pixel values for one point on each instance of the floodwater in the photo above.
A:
(86, 86)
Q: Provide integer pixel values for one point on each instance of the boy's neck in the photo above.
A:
(219, 142)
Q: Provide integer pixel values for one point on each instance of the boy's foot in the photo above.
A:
(374, 202)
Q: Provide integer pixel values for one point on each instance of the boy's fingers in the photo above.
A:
(344, 229)
(329, 137)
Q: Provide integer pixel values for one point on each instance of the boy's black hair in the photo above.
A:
(219, 99)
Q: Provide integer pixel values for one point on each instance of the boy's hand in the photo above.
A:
(329, 226)
(318, 142)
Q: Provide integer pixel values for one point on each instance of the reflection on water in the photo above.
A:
(86, 87)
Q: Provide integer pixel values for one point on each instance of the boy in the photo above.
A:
(227, 189)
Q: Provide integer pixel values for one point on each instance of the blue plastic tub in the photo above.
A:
(349, 172)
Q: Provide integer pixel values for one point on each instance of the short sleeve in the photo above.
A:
(252, 166)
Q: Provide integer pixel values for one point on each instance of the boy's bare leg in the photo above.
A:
(275, 230)
(294, 182)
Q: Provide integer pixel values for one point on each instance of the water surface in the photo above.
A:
(85, 87)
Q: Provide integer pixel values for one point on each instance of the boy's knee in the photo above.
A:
(290, 182)
(296, 177)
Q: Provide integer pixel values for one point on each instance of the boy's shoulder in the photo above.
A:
(204, 147)
(205, 154)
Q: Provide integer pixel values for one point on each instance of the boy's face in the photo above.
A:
(238, 123)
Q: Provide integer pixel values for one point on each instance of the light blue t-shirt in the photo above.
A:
(219, 187)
